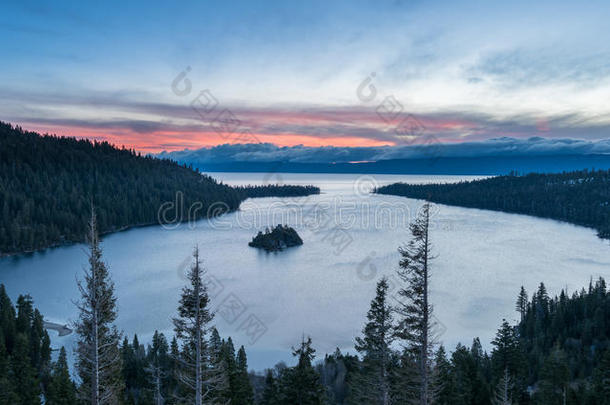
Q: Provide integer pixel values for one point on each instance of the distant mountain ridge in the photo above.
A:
(484, 165)
(490, 157)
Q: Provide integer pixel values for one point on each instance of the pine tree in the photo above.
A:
(601, 380)
(504, 388)
(482, 370)
(300, 385)
(196, 372)
(25, 314)
(128, 370)
(215, 343)
(541, 300)
(157, 365)
(8, 336)
(40, 350)
(220, 360)
(442, 382)
(464, 375)
(7, 392)
(522, 301)
(554, 378)
(99, 360)
(337, 373)
(244, 395)
(61, 388)
(372, 384)
(228, 391)
(270, 391)
(7, 320)
(173, 386)
(40, 343)
(26, 385)
(141, 380)
(507, 359)
(404, 379)
(25, 382)
(414, 308)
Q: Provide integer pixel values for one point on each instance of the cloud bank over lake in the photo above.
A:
(266, 152)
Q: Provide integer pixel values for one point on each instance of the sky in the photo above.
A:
(158, 76)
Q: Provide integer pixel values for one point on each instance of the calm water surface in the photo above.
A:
(268, 301)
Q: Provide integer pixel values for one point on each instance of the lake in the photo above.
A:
(268, 301)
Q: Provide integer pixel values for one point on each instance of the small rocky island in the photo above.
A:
(278, 238)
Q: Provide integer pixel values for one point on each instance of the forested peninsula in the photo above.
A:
(579, 197)
(49, 183)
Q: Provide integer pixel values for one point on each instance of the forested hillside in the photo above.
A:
(580, 197)
(48, 184)
(561, 348)
(277, 190)
(566, 341)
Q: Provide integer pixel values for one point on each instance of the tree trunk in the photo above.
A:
(95, 391)
(198, 387)
(426, 320)
(159, 398)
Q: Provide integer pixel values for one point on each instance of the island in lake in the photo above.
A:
(278, 238)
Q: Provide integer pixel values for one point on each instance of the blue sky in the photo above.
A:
(289, 71)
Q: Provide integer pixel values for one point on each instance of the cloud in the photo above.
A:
(154, 126)
(534, 61)
(505, 146)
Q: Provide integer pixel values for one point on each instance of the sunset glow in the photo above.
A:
(355, 87)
